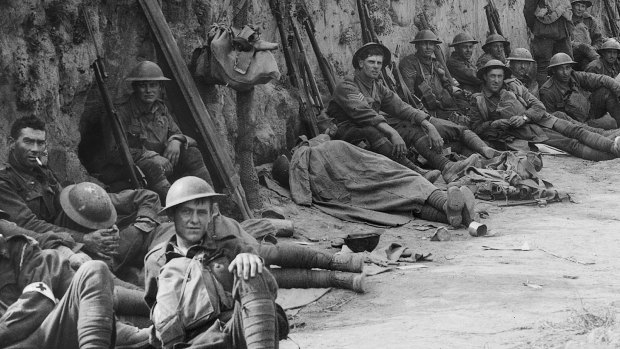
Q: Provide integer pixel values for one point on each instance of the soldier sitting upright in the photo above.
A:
(460, 64)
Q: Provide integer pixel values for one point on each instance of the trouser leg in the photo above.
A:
(84, 316)
(591, 139)
(292, 255)
(156, 176)
(574, 147)
(542, 51)
(130, 302)
(191, 163)
(303, 278)
(603, 101)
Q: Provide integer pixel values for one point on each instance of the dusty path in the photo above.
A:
(469, 297)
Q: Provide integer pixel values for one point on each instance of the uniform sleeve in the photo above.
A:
(594, 67)
(462, 73)
(174, 132)
(593, 81)
(479, 124)
(151, 273)
(535, 108)
(144, 202)
(409, 73)
(353, 103)
(14, 205)
(395, 107)
(551, 99)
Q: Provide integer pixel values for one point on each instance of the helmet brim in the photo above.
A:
(77, 217)
(507, 71)
(387, 55)
(189, 198)
(147, 79)
(464, 42)
(521, 59)
(551, 66)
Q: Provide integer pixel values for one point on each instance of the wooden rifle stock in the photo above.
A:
(291, 69)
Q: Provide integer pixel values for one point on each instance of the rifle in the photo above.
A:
(116, 125)
(495, 27)
(611, 18)
(326, 68)
(291, 69)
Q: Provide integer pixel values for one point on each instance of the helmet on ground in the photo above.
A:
(462, 38)
(280, 170)
(521, 54)
(588, 3)
(88, 205)
(187, 189)
(146, 71)
(493, 64)
(387, 55)
(426, 35)
(560, 58)
(495, 38)
(610, 44)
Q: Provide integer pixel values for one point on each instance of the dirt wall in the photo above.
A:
(45, 57)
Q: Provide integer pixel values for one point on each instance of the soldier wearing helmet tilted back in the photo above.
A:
(586, 34)
(494, 48)
(156, 143)
(460, 64)
(585, 97)
(521, 64)
(607, 63)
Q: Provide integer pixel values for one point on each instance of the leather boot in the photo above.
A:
(453, 170)
(469, 206)
(304, 278)
(454, 206)
(472, 141)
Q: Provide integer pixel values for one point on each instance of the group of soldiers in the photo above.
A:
(77, 262)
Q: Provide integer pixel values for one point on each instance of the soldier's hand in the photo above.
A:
(77, 259)
(400, 148)
(103, 241)
(517, 121)
(247, 265)
(502, 124)
(433, 136)
(173, 151)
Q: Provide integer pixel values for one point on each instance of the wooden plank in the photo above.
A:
(196, 120)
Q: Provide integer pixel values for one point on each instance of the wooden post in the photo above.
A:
(246, 130)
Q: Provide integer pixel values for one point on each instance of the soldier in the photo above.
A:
(426, 78)
(507, 113)
(45, 304)
(494, 48)
(521, 64)
(229, 301)
(156, 143)
(460, 64)
(586, 36)
(585, 97)
(607, 62)
(366, 109)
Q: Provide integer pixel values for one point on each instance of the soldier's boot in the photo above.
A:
(454, 170)
(303, 278)
(258, 311)
(161, 188)
(590, 139)
(454, 205)
(290, 255)
(473, 141)
(469, 206)
(386, 150)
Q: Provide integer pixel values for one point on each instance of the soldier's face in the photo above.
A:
(610, 56)
(562, 73)
(494, 80)
(191, 220)
(148, 91)
(520, 68)
(371, 66)
(496, 49)
(579, 9)
(30, 145)
(425, 48)
(466, 50)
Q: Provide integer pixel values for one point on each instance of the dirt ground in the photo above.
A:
(561, 293)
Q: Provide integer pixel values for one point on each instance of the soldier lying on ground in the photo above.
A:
(427, 79)
(585, 97)
(586, 36)
(607, 62)
(366, 110)
(505, 112)
(156, 143)
(211, 286)
(494, 48)
(521, 63)
(460, 64)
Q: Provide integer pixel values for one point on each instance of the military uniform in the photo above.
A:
(587, 37)
(540, 126)
(45, 304)
(586, 99)
(215, 319)
(600, 66)
(464, 71)
(530, 83)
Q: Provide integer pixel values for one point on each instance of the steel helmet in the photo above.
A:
(521, 54)
(588, 3)
(610, 44)
(88, 205)
(146, 71)
(426, 35)
(494, 63)
(560, 58)
(280, 170)
(462, 38)
(187, 189)
(495, 38)
(387, 55)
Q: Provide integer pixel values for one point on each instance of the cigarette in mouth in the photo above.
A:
(39, 161)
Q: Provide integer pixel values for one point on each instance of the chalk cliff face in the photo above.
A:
(46, 52)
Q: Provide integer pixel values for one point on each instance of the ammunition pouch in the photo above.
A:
(428, 97)
(235, 58)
